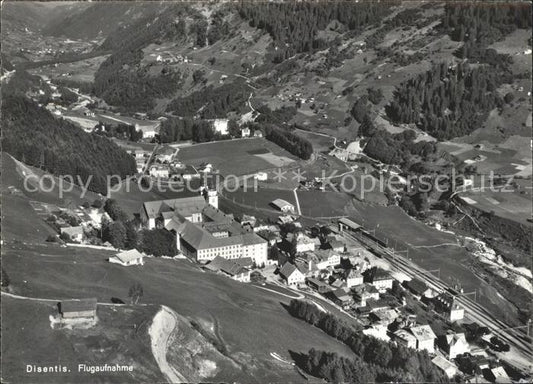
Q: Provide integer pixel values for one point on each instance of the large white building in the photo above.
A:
(203, 232)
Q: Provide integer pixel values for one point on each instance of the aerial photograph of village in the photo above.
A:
(266, 192)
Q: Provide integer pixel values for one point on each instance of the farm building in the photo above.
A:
(261, 176)
(258, 133)
(75, 233)
(283, 206)
(127, 258)
(245, 132)
(237, 269)
(78, 309)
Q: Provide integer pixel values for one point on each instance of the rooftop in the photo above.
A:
(77, 305)
(281, 203)
(130, 255)
(183, 205)
(423, 332)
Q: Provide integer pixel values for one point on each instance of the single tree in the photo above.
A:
(136, 292)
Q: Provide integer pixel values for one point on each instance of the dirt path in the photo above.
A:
(163, 324)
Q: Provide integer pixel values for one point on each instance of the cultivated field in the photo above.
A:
(251, 322)
(237, 157)
(515, 206)
(81, 71)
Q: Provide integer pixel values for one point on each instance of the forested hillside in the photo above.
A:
(212, 102)
(294, 26)
(121, 82)
(480, 26)
(447, 101)
(31, 134)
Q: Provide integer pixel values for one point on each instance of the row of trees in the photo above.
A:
(176, 129)
(447, 101)
(376, 360)
(293, 26)
(121, 131)
(31, 134)
(289, 141)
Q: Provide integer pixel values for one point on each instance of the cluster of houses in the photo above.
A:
(347, 279)
(73, 224)
(247, 132)
(167, 166)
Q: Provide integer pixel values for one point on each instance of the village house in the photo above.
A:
(220, 125)
(127, 258)
(149, 128)
(78, 308)
(283, 206)
(497, 375)
(317, 285)
(382, 280)
(455, 344)
(159, 171)
(258, 133)
(342, 297)
(291, 274)
(189, 173)
(285, 219)
(363, 293)
(336, 245)
(446, 366)
(74, 233)
(405, 338)
(326, 258)
(245, 132)
(165, 154)
(304, 243)
(425, 338)
(354, 278)
(384, 316)
(446, 304)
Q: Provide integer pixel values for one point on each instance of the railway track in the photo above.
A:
(474, 310)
